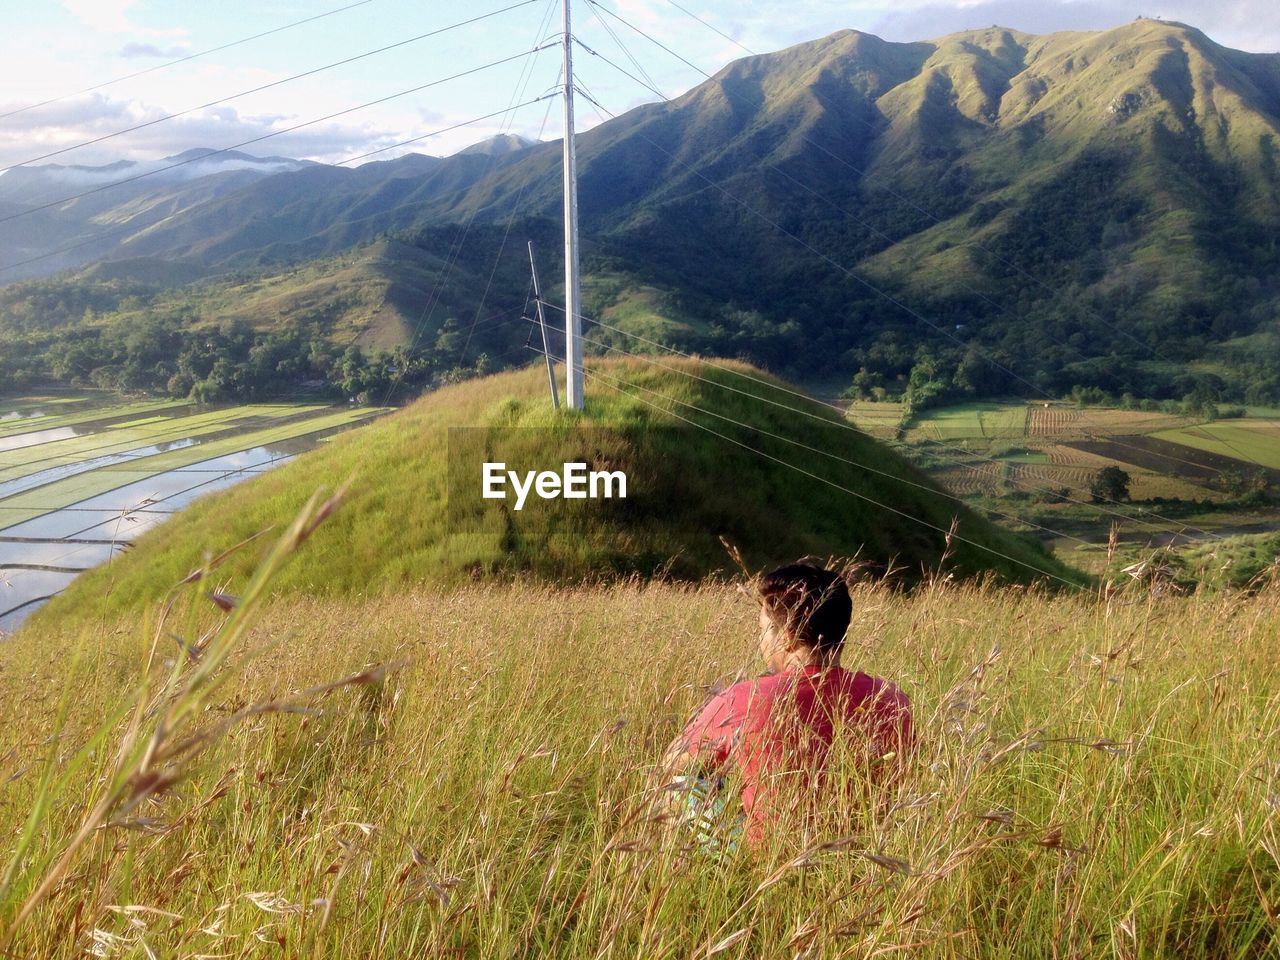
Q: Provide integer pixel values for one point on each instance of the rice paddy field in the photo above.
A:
(81, 476)
(472, 774)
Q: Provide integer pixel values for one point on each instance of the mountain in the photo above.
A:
(1090, 209)
(414, 514)
(95, 225)
(499, 145)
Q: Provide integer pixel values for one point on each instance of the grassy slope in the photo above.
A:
(687, 488)
(373, 295)
(1104, 787)
(1026, 107)
(1232, 562)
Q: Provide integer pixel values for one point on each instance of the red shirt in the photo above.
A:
(778, 729)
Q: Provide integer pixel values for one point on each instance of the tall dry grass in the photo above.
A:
(1096, 778)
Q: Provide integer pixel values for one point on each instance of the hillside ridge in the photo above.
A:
(413, 514)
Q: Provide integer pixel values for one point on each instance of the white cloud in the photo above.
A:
(1245, 24)
(110, 16)
(26, 135)
(131, 51)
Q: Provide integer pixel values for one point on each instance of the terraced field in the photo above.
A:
(79, 478)
(1064, 421)
(980, 478)
(993, 449)
(877, 419)
(1253, 439)
(68, 412)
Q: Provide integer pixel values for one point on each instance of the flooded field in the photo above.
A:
(81, 477)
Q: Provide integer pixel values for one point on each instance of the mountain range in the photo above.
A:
(1075, 208)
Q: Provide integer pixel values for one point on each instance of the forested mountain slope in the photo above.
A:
(1084, 208)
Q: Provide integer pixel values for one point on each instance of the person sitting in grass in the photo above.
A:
(772, 735)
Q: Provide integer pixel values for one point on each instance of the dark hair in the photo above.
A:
(809, 603)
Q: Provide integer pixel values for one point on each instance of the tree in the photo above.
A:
(1109, 484)
(864, 382)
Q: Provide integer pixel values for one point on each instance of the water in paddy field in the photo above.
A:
(89, 477)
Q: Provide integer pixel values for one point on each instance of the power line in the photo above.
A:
(515, 208)
(832, 483)
(275, 133)
(123, 228)
(188, 57)
(627, 53)
(272, 84)
(118, 452)
(446, 271)
(1154, 350)
(841, 423)
(847, 271)
(146, 504)
(935, 491)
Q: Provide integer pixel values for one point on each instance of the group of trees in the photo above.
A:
(934, 379)
(176, 356)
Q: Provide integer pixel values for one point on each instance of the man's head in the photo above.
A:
(804, 615)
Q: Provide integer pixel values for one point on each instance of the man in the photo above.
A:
(775, 733)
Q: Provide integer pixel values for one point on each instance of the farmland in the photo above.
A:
(1253, 439)
(1004, 452)
(81, 476)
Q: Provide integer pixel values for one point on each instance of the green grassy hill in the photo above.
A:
(686, 489)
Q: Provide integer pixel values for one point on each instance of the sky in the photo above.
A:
(57, 48)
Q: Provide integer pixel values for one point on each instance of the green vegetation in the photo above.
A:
(1078, 213)
(1236, 562)
(1043, 479)
(985, 421)
(1110, 485)
(1254, 440)
(1093, 778)
(687, 489)
(349, 326)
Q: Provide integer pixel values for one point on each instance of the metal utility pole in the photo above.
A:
(542, 324)
(572, 287)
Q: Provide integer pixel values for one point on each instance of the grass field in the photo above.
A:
(973, 421)
(1255, 440)
(877, 419)
(1013, 420)
(993, 449)
(1095, 778)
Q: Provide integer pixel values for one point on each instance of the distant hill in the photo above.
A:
(402, 522)
(1094, 209)
(499, 145)
(95, 226)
